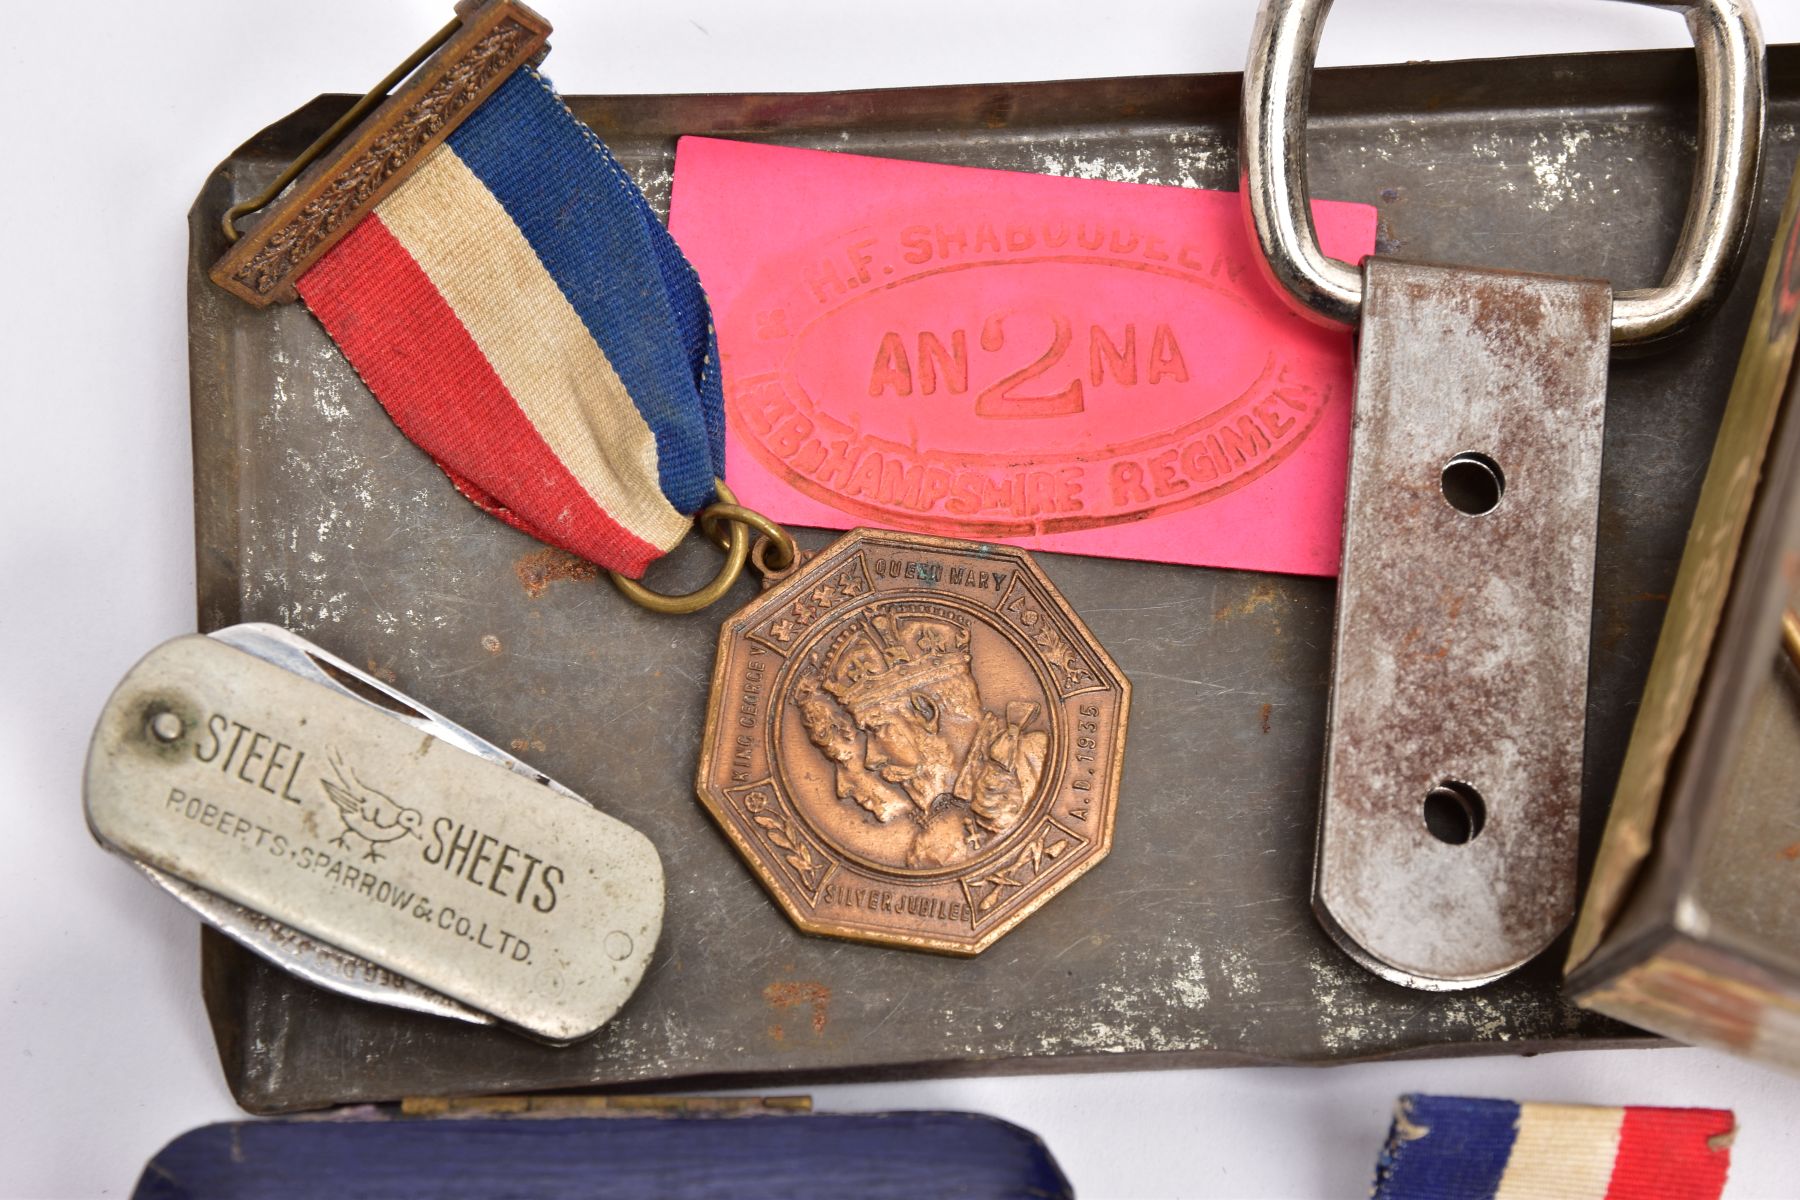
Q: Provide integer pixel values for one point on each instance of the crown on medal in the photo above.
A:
(884, 655)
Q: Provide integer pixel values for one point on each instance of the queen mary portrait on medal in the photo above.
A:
(913, 741)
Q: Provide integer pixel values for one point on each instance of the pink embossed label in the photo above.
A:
(1066, 364)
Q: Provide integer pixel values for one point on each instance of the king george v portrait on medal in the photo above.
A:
(929, 753)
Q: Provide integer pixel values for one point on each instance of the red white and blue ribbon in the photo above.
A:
(524, 317)
(1455, 1148)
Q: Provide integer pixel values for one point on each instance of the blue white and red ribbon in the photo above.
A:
(1455, 1148)
(520, 312)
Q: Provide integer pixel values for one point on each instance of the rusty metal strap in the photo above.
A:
(1454, 745)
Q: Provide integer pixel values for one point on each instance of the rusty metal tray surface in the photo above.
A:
(1193, 943)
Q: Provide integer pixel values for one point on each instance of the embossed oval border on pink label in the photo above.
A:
(1067, 364)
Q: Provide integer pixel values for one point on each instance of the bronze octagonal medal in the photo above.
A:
(914, 741)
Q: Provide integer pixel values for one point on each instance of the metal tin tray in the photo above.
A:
(1193, 944)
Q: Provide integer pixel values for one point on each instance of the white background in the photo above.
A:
(112, 115)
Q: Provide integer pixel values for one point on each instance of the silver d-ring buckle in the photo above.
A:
(1277, 81)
